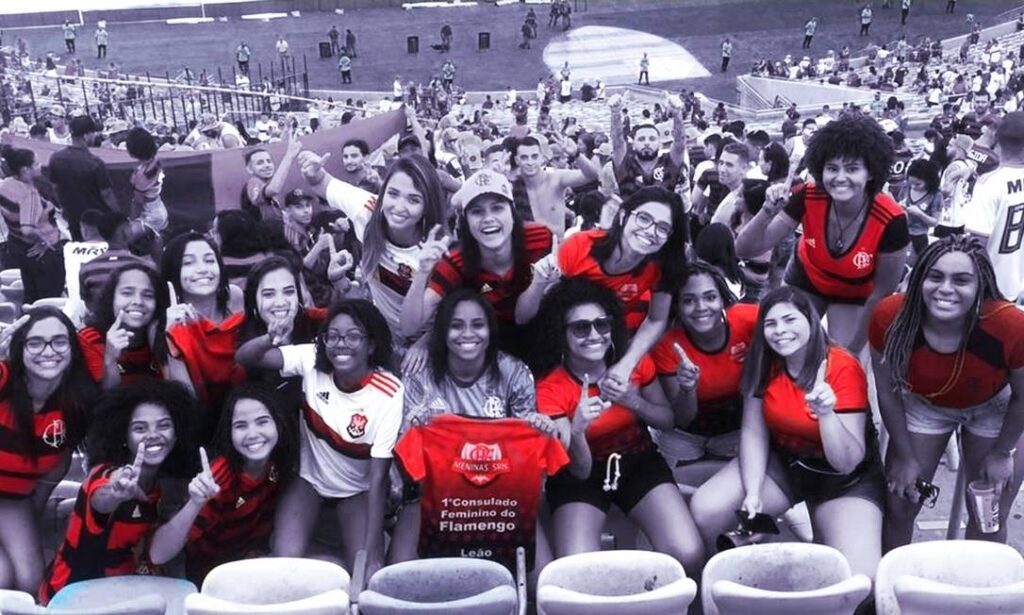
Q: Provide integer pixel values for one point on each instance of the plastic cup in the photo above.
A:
(981, 497)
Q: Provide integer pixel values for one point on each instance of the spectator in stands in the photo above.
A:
(81, 177)
(726, 50)
(845, 272)
(636, 162)
(212, 133)
(601, 420)
(350, 44)
(33, 241)
(140, 433)
(699, 362)
(45, 404)
(806, 436)
(281, 46)
(345, 68)
(809, 29)
(866, 15)
(334, 35)
(922, 200)
(774, 163)
(124, 340)
(266, 179)
(243, 243)
(297, 217)
(957, 182)
(230, 511)
(147, 181)
(351, 358)
(995, 209)
(716, 246)
(70, 33)
(242, 55)
(539, 192)
(926, 391)
(356, 167)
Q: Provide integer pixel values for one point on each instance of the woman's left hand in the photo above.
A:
(997, 468)
(821, 399)
(542, 423)
(617, 391)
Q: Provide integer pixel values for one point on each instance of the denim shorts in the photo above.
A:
(984, 420)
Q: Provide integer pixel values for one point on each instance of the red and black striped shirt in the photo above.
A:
(19, 471)
(236, 524)
(133, 364)
(97, 545)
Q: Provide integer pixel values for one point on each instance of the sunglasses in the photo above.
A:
(580, 329)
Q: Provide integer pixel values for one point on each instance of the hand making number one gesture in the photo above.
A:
(178, 313)
(125, 483)
(433, 249)
(821, 399)
(687, 372)
(118, 337)
(203, 487)
(588, 408)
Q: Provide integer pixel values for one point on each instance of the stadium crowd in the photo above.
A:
(629, 302)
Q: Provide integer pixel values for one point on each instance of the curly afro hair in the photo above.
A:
(852, 138)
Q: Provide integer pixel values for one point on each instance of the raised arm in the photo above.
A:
(770, 226)
(618, 136)
(276, 183)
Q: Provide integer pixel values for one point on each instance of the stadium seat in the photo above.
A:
(95, 595)
(144, 605)
(8, 312)
(334, 602)
(440, 586)
(614, 583)
(917, 596)
(13, 292)
(57, 302)
(783, 577)
(58, 510)
(970, 566)
(274, 580)
(15, 596)
(7, 276)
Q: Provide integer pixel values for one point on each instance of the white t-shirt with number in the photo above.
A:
(340, 432)
(997, 210)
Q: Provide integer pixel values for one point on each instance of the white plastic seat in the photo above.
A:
(917, 596)
(334, 602)
(8, 312)
(8, 276)
(57, 302)
(966, 564)
(96, 595)
(783, 577)
(144, 605)
(273, 580)
(614, 583)
(15, 596)
(441, 586)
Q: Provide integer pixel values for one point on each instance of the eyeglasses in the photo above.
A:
(580, 329)
(59, 344)
(645, 221)
(352, 339)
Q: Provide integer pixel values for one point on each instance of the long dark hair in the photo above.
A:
(303, 329)
(763, 363)
(696, 268)
(103, 317)
(170, 266)
(716, 246)
(549, 349)
(106, 442)
(285, 455)
(74, 395)
(367, 316)
(424, 178)
(443, 321)
(672, 255)
(902, 333)
(471, 250)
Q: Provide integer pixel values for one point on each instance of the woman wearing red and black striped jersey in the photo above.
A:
(700, 362)
(45, 394)
(140, 433)
(495, 258)
(806, 437)
(639, 259)
(949, 353)
(854, 244)
(230, 511)
(123, 340)
(581, 329)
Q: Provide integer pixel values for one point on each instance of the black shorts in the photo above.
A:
(808, 484)
(640, 473)
(796, 277)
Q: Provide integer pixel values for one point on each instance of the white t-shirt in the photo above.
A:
(997, 210)
(340, 431)
(390, 282)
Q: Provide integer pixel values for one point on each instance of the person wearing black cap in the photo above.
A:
(81, 177)
(297, 215)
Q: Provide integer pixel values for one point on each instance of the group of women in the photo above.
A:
(218, 423)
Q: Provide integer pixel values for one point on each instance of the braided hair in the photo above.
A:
(903, 332)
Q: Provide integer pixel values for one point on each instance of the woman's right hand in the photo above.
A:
(752, 504)
(901, 476)
(204, 486)
(124, 485)
(687, 372)
(118, 337)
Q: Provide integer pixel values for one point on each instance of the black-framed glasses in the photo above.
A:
(580, 329)
(351, 339)
(37, 345)
(645, 221)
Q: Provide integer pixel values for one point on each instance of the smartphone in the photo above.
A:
(761, 523)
